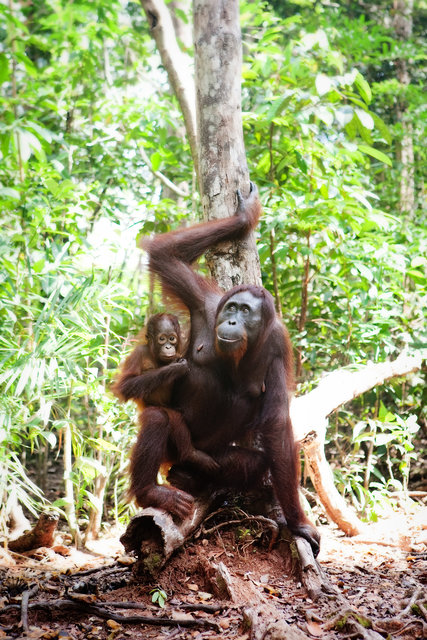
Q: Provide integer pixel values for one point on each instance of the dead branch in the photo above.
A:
(83, 606)
(309, 412)
(160, 175)
(309, 418)
(24, 605)
(208, 608)
(323, 481)
(313, 578)
(177, 64)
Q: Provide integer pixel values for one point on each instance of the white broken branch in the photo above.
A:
(309, 415)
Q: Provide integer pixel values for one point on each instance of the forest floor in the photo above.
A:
(379, 583)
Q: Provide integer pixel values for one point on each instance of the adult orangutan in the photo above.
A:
(239, 379)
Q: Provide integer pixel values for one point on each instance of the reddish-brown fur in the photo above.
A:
(148, 381)
(223, 399)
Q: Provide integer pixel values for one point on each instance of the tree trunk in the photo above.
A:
(222, 158)
(402, 22)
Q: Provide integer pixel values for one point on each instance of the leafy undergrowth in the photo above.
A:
(381, 575)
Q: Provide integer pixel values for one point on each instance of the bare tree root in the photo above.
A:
(357, 625)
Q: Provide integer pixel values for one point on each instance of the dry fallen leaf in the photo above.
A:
(179, 615)
(314, 629)
(114, 625)
(271, 590)
(126, 560)
(62, 550)
(84, 597)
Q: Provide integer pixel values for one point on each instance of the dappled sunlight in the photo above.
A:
(391, 540)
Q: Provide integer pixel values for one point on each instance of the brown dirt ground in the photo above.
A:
(376, 573)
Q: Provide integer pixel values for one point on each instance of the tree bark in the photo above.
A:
(153, 535)
(222, 158)
(402, 23)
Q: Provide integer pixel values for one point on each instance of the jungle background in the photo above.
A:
(94, 154)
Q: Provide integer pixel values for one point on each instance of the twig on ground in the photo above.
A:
(271, 524)
(26, 595)
(411, 602)
(106, 614)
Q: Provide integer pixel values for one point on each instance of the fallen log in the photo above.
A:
(153, 535)
(313, 577)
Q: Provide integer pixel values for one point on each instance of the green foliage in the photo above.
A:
(74, 192)
(316, 147)
(158, 596)
(347, 267)
(373, 460)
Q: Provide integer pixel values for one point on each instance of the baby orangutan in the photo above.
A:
(147, 377)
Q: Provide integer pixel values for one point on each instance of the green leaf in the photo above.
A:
(375, 153)
(364, 271)
(362, 199)
(156, 160)
(363, 87)
(384, 438)
(9, 194)
(103, 445)
(365, 119)
(302, 165)
(419, 261)
(417, 276)
(382, 128)
(52, 185)
(4, 68)
(278, 106)
(344, 115)
(325, 114)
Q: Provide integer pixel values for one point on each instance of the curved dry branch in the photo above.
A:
(158, 174)
(309, 412)
(309, 418)
(178, 66)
